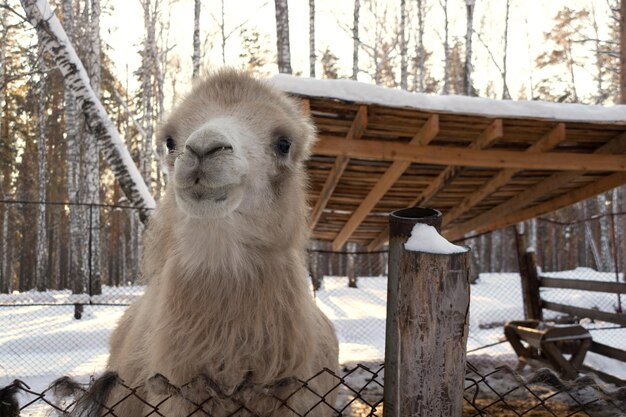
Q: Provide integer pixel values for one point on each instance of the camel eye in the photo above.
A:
(170, 143)
(283, 145)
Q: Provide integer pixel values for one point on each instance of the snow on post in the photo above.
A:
(427, 317)
(55, 40)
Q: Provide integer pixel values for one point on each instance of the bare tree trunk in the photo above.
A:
(91, 157)
(446, 48)
(282, 36)
(601, 95)
(147, 88)
(5, 278)
(312, 57)
(355, 40)
(505, 89)
(223, 32)
(530, 62)
(420, 58)
(570, 65)
(55, 40)
(403, 47)
(467, 74)
(4, 30)
(622, 52)
(196, 39)
(4, 242)
(40, 243)
(76, 270)
(160, 60)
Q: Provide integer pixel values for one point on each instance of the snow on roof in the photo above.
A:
(359, 92)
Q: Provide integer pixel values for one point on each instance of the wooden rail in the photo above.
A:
(534, 304)
(580, 284)
(616, 318)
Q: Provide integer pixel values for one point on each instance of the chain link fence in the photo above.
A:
(358, 392)
(63, 329)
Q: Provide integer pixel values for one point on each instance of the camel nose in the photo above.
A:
(205, 143)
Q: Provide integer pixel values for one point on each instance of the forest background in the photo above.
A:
(142, 56)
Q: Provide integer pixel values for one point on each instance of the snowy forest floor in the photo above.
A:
(40, 343)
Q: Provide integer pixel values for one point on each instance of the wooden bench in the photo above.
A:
(550, 342)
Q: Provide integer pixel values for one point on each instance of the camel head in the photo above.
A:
(234, 145)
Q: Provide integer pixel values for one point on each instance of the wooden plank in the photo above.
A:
(585, 285)
(357, 129)
(547, 142)
(601, 186)
(492, 133)
(426, 134)
(447, 155)
(585, 312)
(533, 193)
(608, 351)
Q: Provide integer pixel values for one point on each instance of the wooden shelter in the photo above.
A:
(484, 163)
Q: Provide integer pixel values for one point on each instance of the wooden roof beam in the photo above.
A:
(528, 196)
(357, 128)
(425, 135)
(603, 185)
(547, 142)
(445, 155)
(492, 133)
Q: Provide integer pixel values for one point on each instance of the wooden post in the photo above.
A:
(315, 269)
(427, 324)
(351, 267)
(527, 262)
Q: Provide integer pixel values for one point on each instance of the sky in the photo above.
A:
(122, 30)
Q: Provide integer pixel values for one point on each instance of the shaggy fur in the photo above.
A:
(227, 299)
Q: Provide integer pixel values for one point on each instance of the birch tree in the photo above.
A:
(76, 264)
(146, 74)
(467, 73)
(40, 244)
(6, 174)
(355, 39)
(446, 47)
(312, 57)
(505, 89)
(421, 54)
(622, 53)
(403, 47)
(282, 37)
(196, 39)
(55, 40)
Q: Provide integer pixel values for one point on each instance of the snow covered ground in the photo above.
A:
(41, 343)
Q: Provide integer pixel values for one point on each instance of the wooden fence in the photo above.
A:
(534, 304)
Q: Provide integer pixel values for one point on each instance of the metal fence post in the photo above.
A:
(427, 324)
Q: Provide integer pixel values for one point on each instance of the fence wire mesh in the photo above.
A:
(357, 392)
(63, 328)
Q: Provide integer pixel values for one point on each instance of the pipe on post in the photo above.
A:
(427, 323)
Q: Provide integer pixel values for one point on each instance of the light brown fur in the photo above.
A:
(227, 294)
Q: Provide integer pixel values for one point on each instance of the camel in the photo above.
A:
(228, 312)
